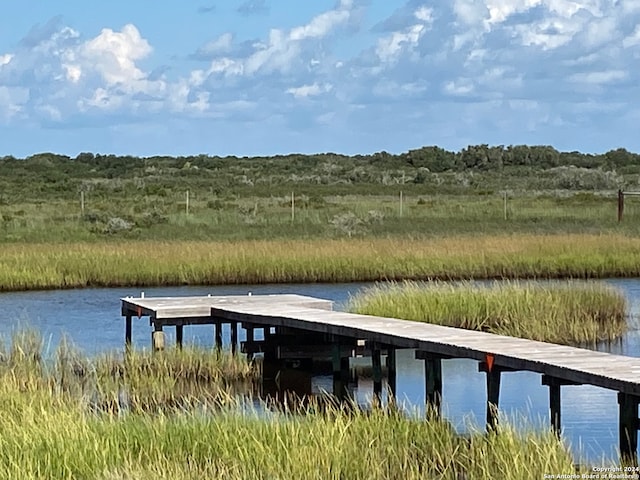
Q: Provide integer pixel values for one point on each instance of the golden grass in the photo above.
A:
(39, 266)
(574, 313)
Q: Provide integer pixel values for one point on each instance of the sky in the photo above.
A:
(266, 77)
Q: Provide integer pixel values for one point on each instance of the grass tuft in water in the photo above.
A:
(573, 313)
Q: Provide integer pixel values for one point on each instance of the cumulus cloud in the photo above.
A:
(510, 65)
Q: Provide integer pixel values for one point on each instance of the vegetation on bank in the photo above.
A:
(48, 198)
(41, 266)
(52, 427)
(574, 313)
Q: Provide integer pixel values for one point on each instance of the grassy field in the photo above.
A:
(322, 215)
(38, 266)
(52, 427)
(572, 313)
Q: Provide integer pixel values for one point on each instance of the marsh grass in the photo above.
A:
(138, 381)
(38, 266)
(64, 442)
(573, 313)
(50, 430)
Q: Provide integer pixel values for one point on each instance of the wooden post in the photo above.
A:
(493, 397)
(504, 197)
(433, 384)
(157, 337)
(127, 332)
(628, 428)
(218, 334)
(250, 338)
(376, 365)
(234, 337)
(555, 408)
(620, 205)
(392, 376)
(339, 383)
(401, 203)
(293, 208)
(82, 203)
(554, 385)
(187, 204)
(179, 335)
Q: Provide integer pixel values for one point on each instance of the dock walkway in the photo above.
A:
(559, 365)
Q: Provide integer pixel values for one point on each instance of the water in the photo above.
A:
(91, 318)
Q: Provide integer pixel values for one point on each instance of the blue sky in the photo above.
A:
(264, 77)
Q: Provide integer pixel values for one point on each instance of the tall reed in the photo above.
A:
(567, 313)
(32, 266)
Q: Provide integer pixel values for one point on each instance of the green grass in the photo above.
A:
(573, 313)
(51, 428)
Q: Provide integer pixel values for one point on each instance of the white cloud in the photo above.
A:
(312, 90)
(5, 59)
(281, 49)
(114, 54)
(597, 78)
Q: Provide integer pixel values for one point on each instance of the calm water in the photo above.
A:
(92, 319)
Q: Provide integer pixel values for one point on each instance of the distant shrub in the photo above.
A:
(117, 224)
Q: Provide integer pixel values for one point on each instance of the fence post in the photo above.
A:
(620, 204)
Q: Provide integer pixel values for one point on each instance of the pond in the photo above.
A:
(91, 318)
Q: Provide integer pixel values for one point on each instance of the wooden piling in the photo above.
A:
(234, 337)
(392, 378)
(628, 428)
(127, 332)
(217, 329)
(250, 338)
(493, 373)
(157, 337)
(432, 382)
(555, 413)
(179, 335)
(376, 364)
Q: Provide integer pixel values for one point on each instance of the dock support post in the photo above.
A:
(554, 385)
(493, 395)
(250, 338)
(340, 372)
(179, 335)
(127, 333)
(376, 364)
(432, 382)
(392, 375)
(157, 337)
(234, 337)
(628, 423)
(555, 408)
(217, 329)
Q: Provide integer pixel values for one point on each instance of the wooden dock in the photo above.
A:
(296, 317)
